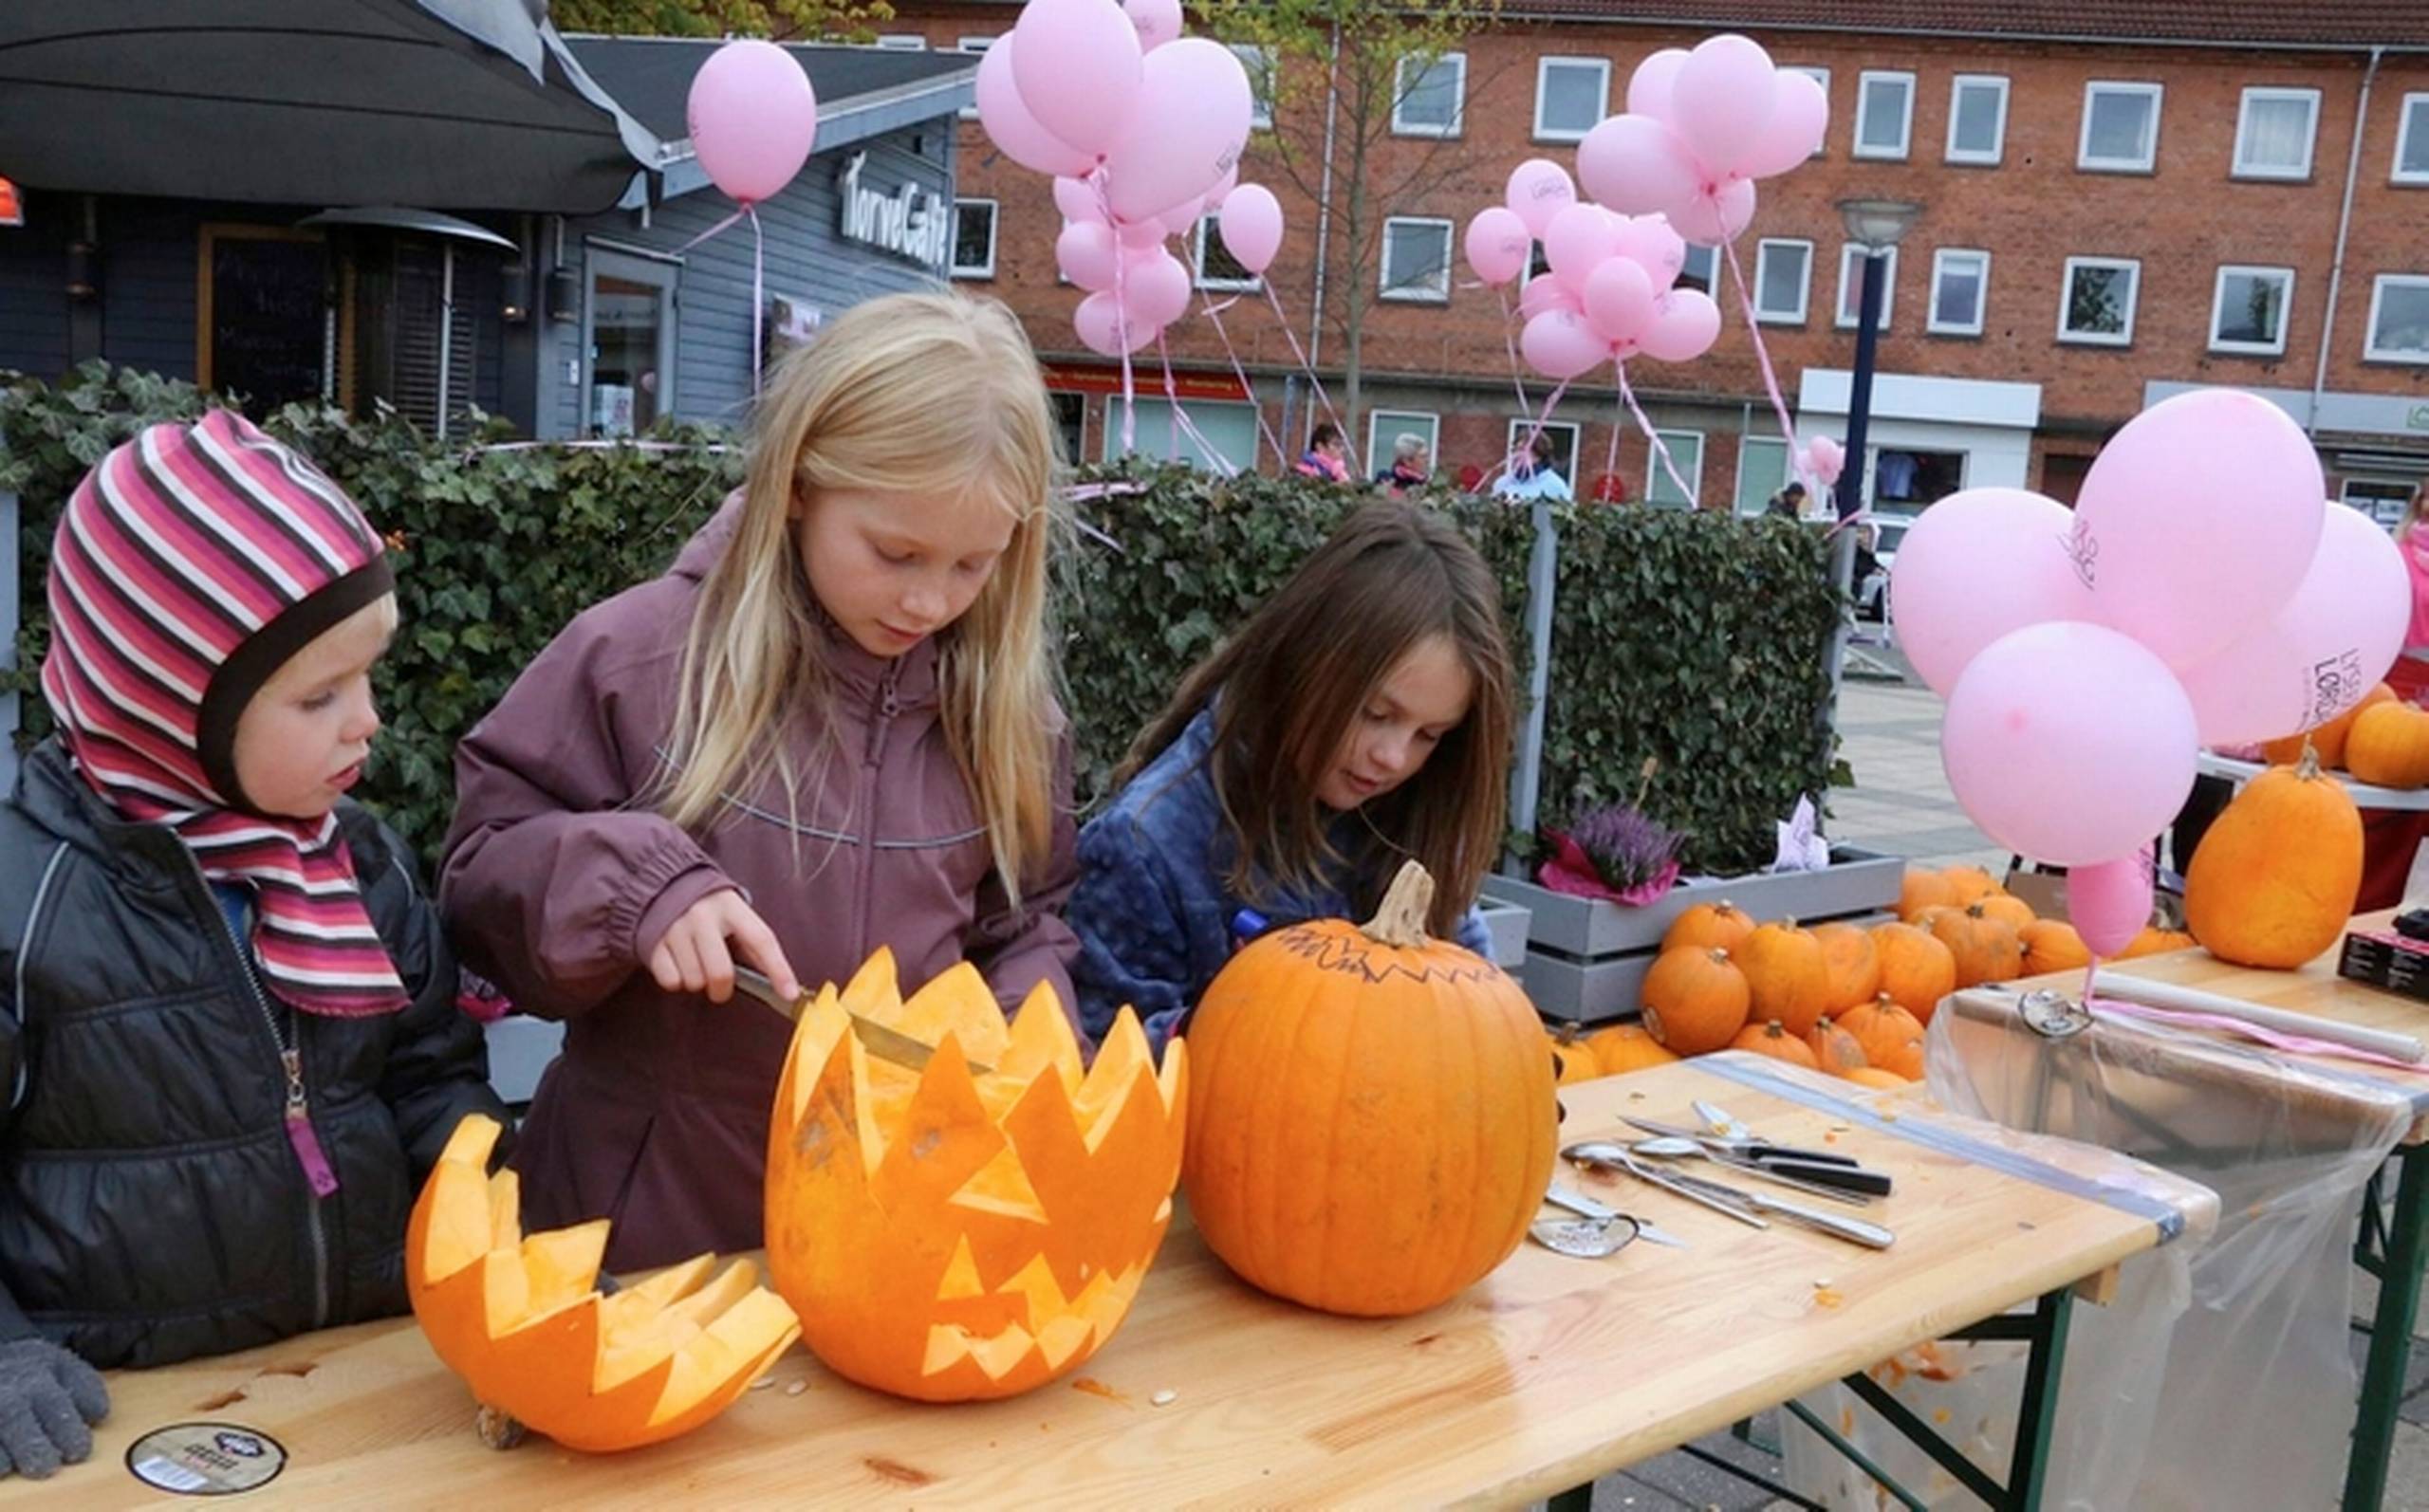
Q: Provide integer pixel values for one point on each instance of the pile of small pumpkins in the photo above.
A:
(2381, 741)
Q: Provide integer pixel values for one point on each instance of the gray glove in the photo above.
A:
(47, 1396)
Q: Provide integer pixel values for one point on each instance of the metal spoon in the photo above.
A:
(1671, 1148)
(1592, 1211)
(1611, 1156)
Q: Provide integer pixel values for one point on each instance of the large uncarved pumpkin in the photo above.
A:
(1371, 1126)
(2277, 874)
(1695, 1000)
(1786, 975)
(952, 1236)
(521, 1319)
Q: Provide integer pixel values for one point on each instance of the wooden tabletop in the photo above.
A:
(1548, 1374)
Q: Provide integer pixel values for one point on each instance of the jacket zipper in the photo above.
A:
(880, 716)
(301, 1135)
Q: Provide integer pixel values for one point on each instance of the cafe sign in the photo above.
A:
(911, 222)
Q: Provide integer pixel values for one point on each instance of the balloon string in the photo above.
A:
(1120, 318)
(1214, 317)
(1611, 458)
(1763, 359)
(1299, 352)
(1628, 395)
(1181, 421)
(1517, 378)
(1534, 429)
(726, 225)
(758, 300)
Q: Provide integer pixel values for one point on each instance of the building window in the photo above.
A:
(1384, 429)
(973, 238)
(1571, 97)
(1820, 76)
(1564, 437)
(2274, 135)
(1906, 480)
(1216, 268)
(1072, 423)
(2121, 128)
(1851, 286)
(1885, 114)
(2383, 499)
(2412, 140)
(1977, 118)
(901, 42)
(1699, 270)
(629, 331)
(1417, 260)
(1762, 471)
(1960, 289)
(970, 112)
(1429, 96)
(1224, 438)
(2248, 313)
(2399, 319)
(2096, 307)
(1687, 456)
(1783, 273)
(1257, 62)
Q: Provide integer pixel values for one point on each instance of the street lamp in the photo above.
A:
(1875, 225)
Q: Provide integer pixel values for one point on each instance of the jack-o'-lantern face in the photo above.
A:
(953, 1236)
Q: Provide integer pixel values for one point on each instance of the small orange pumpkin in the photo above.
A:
(1573, 1059)
(2277, 874)
(1852, 962)
(2012, 911)
(1721, 926)
(1834, 1049)
(1906, 1060)
(2052, 945)
(1969, 885)
(1695, 1000)
(1774, 1040)
(1626, 1048)
(1879, 1028)
(2388, 747)
(2328, 740)
(1878, 1079)
(1917, 971)
(1986, 949)
(1923, 888)
(1787, 978)
(2155, 941)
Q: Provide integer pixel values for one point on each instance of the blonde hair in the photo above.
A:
(929, 393)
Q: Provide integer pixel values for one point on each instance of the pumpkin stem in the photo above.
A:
(2307, 765)
(1400, 922)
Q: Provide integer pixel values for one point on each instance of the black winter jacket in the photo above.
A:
(153, 1207)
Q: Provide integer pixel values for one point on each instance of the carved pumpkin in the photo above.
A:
(1986, 949)
(1772, 1038)
(521, 1320)
(1852, 963)
(1917, 971)
(1880, 1027)
(1573, 1059)
(1923, 888)
(1787, 976)
(2277, 874)
(1626, 1048)
(1372, 1126)
(1834, 1049)
(2052, 945)
(1880, 1080)
(2388, 747)
(2328, 740)
(1695, 1000)
(952, 1237)
(2155, 941)
(1721, 926)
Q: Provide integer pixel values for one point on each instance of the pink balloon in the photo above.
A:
(1194, 133)
(1651, 86)
(2199, 520)
(1709, 220)
(1721, 100)
(2069, 743)
(1619, 300)
(1538, 190)
(1157, 20)
(1800, 117)
(2109, 902)
(1579, 240)
(1559, 344)
(1685, 323)
(1102, 327)
(1497, 245)
(1223, 187)
(1634, 164)
(1085, 252)
(1653, 245)
(1549, 294)
(2318, 654)
(1252, 227)
(1143, 234)
(1826, 459)
(1077, 69)
(1154, 289)
(1076, 199)
(1012, 129)
(1974, 568)
(752, 118)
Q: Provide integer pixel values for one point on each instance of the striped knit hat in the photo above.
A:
(189, 566)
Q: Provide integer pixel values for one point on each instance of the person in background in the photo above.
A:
(1412, 466)
(1534, 476)
(2409, 678)
(1327, 458)
(1788, 504)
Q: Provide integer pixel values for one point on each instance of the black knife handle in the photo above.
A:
(1845, 1178)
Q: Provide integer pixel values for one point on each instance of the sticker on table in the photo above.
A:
(206, 1459)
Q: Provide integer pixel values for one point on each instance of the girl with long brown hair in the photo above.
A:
(1360, 718)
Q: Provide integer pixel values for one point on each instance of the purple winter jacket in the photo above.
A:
(560, 879)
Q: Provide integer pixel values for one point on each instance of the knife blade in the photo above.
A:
(883, 1041)
(1744, 1148)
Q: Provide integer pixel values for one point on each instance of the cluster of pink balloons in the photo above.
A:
(2201, 592)
(753, 118)
(1142, 129)
(1700, 127)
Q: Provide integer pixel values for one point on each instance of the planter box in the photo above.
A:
(1586, 959)
(1508, 924)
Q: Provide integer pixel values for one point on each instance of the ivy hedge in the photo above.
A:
(1695, 639)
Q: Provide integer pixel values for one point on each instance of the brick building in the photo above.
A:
(2120, 198)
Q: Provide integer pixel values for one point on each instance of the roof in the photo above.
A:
(651, 77)
(2305, 23)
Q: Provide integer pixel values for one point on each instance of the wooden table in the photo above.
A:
(1551, 1371)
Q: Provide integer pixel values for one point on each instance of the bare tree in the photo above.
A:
(783, 20)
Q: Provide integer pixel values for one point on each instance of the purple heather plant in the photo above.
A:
(1627, 848)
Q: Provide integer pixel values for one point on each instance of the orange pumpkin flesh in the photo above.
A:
(1695, 1000)
(1372, 1125)
(2278, 873)
(950, 1236)
(519, 1319)
(1787, 976)
(1627, 1047)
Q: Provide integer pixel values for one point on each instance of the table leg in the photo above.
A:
(1576, 1498)
(2366, 1473)
(2045, 1333)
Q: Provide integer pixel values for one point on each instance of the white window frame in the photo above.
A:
(1524, 426)
(995, 233)
(1209, 228)
(2411, 114)
(1820, 76)
(1379, 445)
(1848, 313)
(1972, 157)
(2311, 136)
(1385, 287)
(2371, 350)
(2066, 298)
(1931, 321)
(2085, 161)
(2285, 309)
(1260, 100)
(1694, 475)
(1804, 284)
(1458, 99)
(1544, 66)
(977, 45)
(1788, 470)
(1864, 82)
(901, 42)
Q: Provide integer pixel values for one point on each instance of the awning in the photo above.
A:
(457, 105)
(424, 222)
